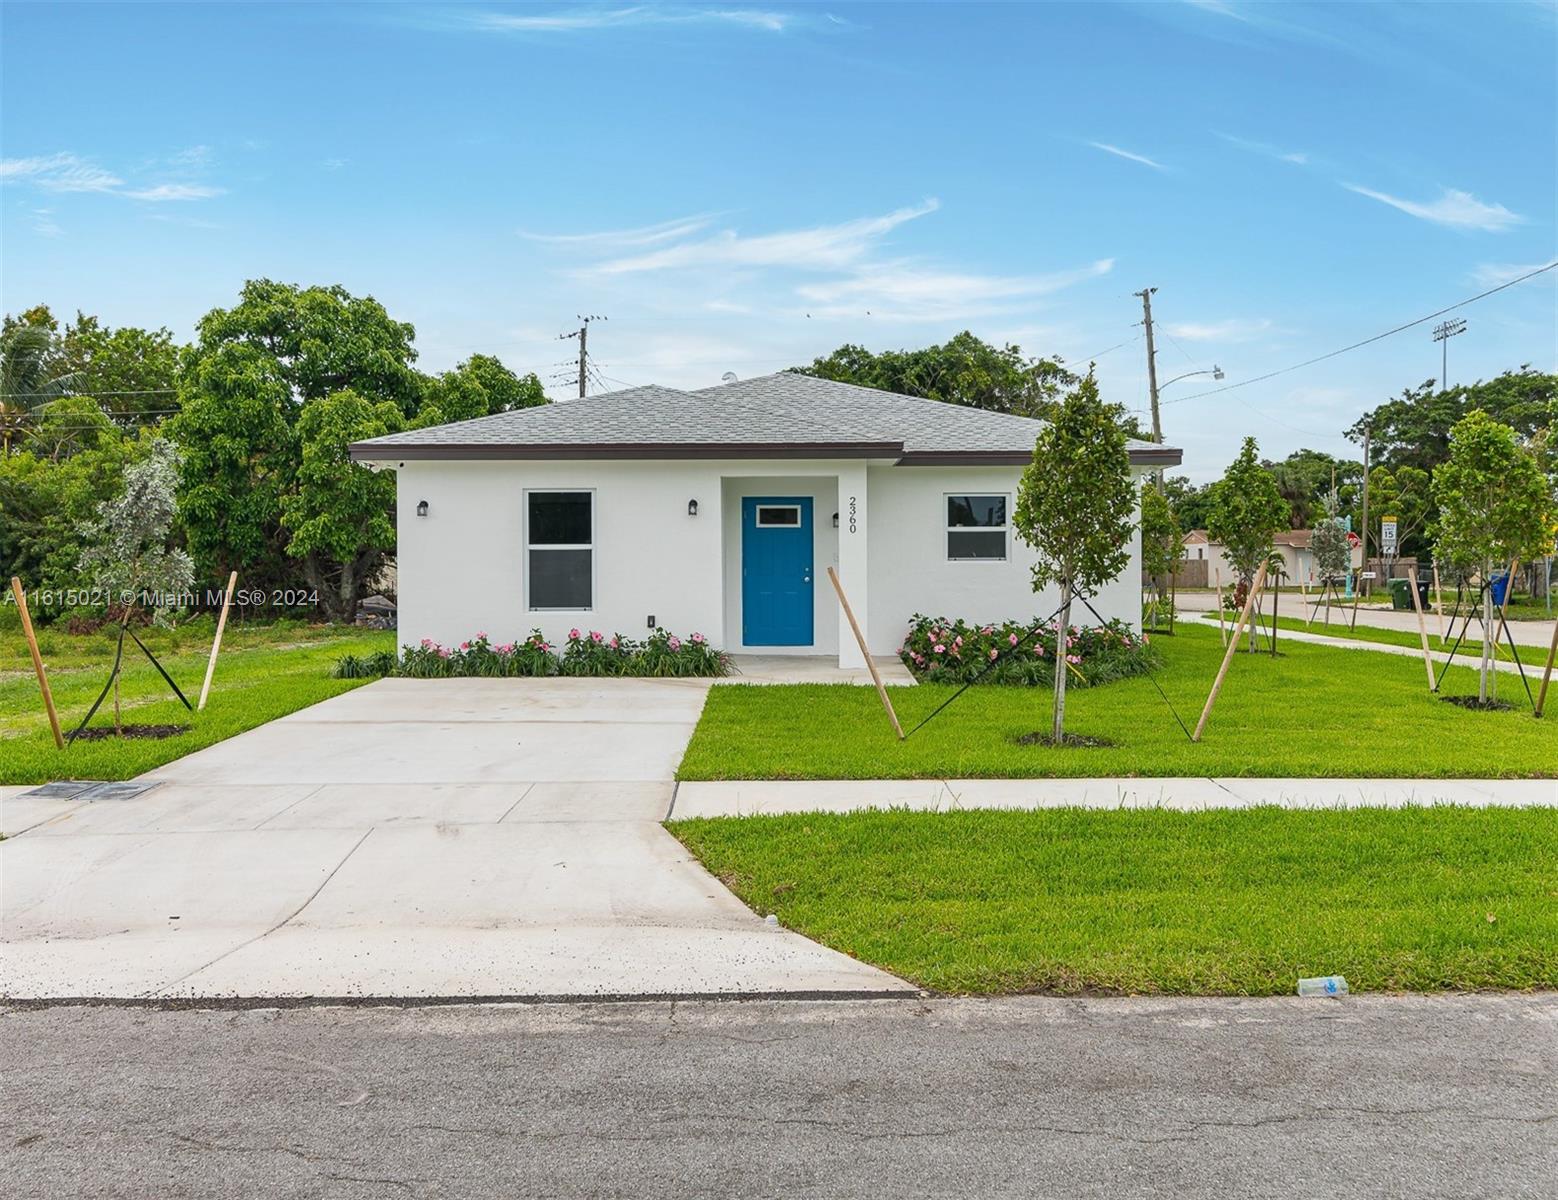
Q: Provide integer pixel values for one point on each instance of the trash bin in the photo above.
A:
(1422, 594)
(1401, 594)
(1500, 588)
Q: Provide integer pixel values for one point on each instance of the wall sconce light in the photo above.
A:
(421, 508)
(692, 508)
(835, 520)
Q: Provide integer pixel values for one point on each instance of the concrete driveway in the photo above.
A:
(470, 837)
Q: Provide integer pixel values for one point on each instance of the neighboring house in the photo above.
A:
(718, 511)
(1298, 560)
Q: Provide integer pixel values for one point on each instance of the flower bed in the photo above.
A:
(586, 653)
(941, 651)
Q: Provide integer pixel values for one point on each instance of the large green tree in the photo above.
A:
(321, 340)
(963, 370)
(339, 516)
(1075, 508)
(128, 371)
(1247, 513)
(1495, 504)
(1414, 429)
(478, 387)
(235, 428)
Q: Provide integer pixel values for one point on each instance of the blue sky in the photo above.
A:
(743, 188)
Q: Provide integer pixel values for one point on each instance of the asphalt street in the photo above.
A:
(1365, 1096)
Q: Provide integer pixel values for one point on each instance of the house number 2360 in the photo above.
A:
(854, 515)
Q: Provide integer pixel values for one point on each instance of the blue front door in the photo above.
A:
(776, 575)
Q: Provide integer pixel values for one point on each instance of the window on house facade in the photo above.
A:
(560, 541)
(976, 528)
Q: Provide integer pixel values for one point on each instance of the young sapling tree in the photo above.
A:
(1247, 511)
(129, 552)
(1075, 506)
(1495, 505)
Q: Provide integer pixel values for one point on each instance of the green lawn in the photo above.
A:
(1470, 648)
(1224, 902)
(264, 672)
(1314, 711)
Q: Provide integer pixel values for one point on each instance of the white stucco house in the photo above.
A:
(718, 511)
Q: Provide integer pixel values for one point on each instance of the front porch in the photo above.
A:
(813, 668)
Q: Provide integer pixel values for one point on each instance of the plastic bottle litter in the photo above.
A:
(1323, 985)
(773, 919)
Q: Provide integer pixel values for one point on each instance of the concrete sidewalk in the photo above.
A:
(746, 799)
(1293, 604)
(470, 837)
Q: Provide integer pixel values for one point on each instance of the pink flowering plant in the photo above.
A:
(586, 652)
(479, 656)
(937, 650)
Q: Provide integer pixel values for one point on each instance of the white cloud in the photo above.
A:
(191, 156)
(66, 172)
(644, 235)
(1297, 158)
(1234, 329)
(822, 246)
(175, 191)
(1489, 275)
(906, 291)
(1221, 7)
(333, 164)
(43, 223)
(615, 18)
(1129, 155)
(1454, 208)
(60, 173)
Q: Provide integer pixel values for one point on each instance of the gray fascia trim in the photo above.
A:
(428, 451)
(1154, 457)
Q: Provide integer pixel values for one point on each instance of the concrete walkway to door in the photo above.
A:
(421, 838)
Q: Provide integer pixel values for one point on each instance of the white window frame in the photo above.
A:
(1005, 530)
(528, 548)
(757, 516)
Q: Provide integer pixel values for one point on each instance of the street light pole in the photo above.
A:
(1443, 332)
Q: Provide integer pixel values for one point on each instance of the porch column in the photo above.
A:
(853, 536)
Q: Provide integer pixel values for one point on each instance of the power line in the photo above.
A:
(1309, 362)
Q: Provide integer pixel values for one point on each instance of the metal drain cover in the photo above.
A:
(116, 791)
(66, 790)
(89, 789)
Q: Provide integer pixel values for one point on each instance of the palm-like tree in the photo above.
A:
(27, 379)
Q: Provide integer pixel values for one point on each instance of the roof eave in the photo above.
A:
(375, 451)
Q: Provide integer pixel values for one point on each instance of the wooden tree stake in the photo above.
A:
(216, 642)
(876, 678)
(1422, 626)
(37, 661)
(1509, 594)
(1547, 672)
(1233, 646)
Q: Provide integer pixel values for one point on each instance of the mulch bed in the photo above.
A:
(1074, 741)
(99, 733)
(1477, 705)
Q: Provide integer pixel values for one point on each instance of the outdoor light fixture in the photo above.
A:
(1217, 372)
(835, 520)
(421, 508)
(692, 508)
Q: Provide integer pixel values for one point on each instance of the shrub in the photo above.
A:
(941, 651)
(363, 666)
(586, 654)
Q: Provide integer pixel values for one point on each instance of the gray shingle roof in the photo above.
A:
(783, 415)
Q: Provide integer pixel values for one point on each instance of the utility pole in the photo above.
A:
(1443, 332)
(583, 334)
(1152, 362)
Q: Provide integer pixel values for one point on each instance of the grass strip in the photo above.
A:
(1229, 902)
